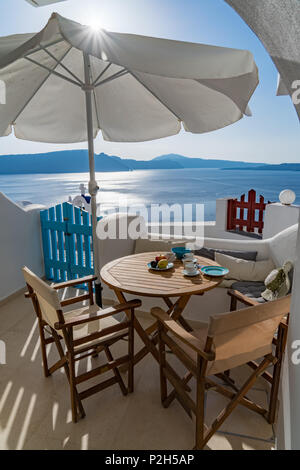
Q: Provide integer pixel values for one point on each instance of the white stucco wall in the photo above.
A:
(213, 229)
(279, 217)
(20, 244)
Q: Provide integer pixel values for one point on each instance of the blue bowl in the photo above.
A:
(180, 251)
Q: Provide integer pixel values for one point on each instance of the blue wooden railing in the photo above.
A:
(67, 242)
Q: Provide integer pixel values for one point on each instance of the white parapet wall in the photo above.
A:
(279, 217)
(200, 228)
(20, 244)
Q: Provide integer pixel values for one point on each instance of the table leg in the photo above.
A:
(174, 310)
(149, 346)
(169, 303)
(178, 308)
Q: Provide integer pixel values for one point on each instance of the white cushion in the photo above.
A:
(243, 270)
(283, 245)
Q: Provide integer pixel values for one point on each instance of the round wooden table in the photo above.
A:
(131, 274)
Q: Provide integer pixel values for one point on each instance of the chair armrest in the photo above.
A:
(242, 298)
(73, 282)
(187, 338)
(74, 300)
(101, 313)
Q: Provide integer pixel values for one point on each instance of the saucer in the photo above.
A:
(194, 273)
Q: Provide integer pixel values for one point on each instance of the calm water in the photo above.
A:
(152, 186)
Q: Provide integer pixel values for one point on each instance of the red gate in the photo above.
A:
(247, 213)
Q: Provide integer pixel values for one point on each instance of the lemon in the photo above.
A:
(162, 264)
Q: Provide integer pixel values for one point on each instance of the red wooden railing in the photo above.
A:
(237, 221)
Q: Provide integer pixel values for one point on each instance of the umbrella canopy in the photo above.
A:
(67, 82)
(143, 87)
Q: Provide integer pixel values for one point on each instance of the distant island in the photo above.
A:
(279, 167)
(76, 161)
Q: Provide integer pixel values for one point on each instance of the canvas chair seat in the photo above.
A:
(81, 331)
(231, 353)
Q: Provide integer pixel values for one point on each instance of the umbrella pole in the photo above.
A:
(93, 186)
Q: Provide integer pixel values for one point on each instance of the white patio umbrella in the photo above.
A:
(67, 82)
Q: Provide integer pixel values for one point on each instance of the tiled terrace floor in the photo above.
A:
(35, 411)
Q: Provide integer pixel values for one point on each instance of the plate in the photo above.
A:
(214, 271)
(170, 266)
(186, 273)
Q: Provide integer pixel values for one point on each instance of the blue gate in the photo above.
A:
(67, 242)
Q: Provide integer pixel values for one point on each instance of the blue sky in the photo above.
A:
(271, 135)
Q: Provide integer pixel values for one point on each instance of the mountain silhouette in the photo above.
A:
(76, 161)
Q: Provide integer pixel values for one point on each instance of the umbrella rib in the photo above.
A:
(60, 75)
(155, 96)
(100, 74)
(62, 65)
(38, 88)
(41, 47)
(118, 74)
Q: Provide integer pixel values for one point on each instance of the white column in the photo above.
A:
(288, 433)
(294, 368)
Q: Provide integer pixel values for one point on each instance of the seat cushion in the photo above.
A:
(92, 327)
(210, 253)
(250, 289)
(243, 270)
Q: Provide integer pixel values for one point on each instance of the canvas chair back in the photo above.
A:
(244, 335)
(47, 297)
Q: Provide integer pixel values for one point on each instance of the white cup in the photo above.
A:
(188, 257)
(190, 267)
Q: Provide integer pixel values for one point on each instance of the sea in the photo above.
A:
(146, 187)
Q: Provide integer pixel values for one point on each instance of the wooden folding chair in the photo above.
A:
(231, 340)
(84, 332)
(279, 342)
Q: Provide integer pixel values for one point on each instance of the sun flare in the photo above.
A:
(94, 25)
